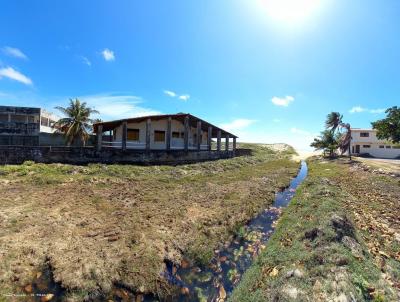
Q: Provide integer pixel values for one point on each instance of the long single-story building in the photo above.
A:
(169, 132)
(365, 142)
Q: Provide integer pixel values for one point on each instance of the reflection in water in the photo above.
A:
(216, 281)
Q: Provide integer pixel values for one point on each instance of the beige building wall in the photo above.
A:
(159, 125)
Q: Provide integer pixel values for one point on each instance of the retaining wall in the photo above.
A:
(86, 155)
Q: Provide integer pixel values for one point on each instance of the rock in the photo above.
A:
(222, 293)
(341, 298)
(353, 246)
(291, 292)
(295, 273)
(313, 233)
(317, 286)
(28, 288)
(341, 261)
(342, 226)
(46, 298)
(298, 273)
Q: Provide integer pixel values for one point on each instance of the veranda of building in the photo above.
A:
(163, 132)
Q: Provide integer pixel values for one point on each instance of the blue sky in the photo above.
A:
(266, 71)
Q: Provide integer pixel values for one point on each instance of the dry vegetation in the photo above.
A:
(99, 225)
(339, 240)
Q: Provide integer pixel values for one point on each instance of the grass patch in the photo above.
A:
(318, 237)
(102, 224)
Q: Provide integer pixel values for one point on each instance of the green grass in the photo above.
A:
(317, 200)
(63, 213)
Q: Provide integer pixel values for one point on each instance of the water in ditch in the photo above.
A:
(217, 281)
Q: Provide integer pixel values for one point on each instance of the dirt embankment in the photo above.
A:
(98, 226)
(339, 240)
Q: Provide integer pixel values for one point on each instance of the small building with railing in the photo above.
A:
(169, 132)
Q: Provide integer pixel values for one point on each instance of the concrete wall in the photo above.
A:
(58, 139)
(17, 155)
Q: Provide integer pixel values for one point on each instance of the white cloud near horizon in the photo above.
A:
(117, 106)
(184, 97)
(300, 141)
(108, 54)
(170, 93)
(237, 124)
(11, 73)
(359, 109)
(285, 101)
(300, 131)
(14, 52)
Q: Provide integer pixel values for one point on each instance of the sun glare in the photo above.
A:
(291, 10)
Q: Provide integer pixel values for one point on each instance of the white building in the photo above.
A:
(47, 121)
(168, 132)
(365, 142)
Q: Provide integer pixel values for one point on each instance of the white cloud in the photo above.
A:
(237, 124)
(11, 73)
(276, 120)
(300, 141)
(377, 110)
(300, 131)
(14, 52)
(86, 61)
(285, 101)
(173, 94)
(359, 109)
(108, 54)
(184, 97)
(117, 106)
(170, 93)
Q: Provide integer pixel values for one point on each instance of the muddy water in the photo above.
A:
(217, 281)
(214, 282)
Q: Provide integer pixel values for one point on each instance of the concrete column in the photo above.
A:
(186, 134)
(219, 141)
(148, 132)
(209, 137)
(124, 134)
(234, 146)
(227, 142)
(168, 142)
(99, 137)
(198, 140)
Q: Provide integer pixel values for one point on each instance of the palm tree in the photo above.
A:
(77, 124)
(334, 121)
